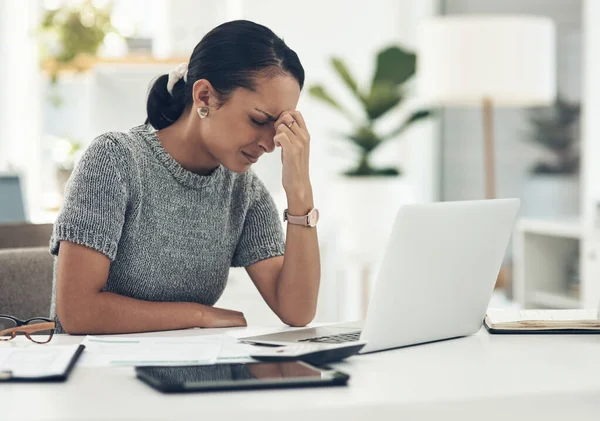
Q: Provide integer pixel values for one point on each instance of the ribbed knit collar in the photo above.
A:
(180, 174)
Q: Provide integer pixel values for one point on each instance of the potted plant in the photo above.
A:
(394, 68)
(367, 196)
(552, 189)
(71, 35)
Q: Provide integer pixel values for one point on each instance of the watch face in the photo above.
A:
(313, 217)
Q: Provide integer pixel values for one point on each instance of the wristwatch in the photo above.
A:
(308, 220)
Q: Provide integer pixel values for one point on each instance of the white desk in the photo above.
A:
(490, 377)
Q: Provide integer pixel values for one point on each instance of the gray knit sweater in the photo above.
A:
(171, 235)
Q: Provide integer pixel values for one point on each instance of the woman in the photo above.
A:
(153, 218)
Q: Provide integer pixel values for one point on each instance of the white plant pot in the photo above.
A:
(551, 196)
(365, 209)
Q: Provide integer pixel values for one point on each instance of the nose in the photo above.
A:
(266, 142)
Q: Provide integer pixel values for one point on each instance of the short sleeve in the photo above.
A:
(93, 209)
(262, 236)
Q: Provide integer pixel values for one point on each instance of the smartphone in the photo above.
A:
(261, 375)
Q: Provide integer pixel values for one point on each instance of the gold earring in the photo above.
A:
(202, 112)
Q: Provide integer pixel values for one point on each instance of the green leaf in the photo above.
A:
(416, 116)
(382, 98)
(319, 92)
(394, 66)
(344, 73)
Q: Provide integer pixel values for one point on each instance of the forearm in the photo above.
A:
(106, 312)
(298, 283)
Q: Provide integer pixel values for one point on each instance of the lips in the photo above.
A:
(252, 158)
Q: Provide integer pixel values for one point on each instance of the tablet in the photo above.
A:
(285, 374)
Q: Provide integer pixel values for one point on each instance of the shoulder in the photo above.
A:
(116, 150)
(108, 158)
(111, 145)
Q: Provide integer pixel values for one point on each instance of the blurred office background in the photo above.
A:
(52, 105)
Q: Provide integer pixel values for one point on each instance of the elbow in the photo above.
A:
(70, 324)
(299, 320)
(299, 323)
(72, 329)
(72, 318)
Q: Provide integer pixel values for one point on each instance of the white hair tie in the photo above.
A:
(175, 75)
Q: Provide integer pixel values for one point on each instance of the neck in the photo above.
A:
(182, 142)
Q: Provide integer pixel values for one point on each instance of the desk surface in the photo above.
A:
(496, 376)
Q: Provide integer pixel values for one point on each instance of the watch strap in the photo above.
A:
(309, 220)
(296, 220)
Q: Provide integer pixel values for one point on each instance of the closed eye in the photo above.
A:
(258, 123)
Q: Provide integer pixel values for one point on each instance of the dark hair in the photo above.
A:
(230, 56)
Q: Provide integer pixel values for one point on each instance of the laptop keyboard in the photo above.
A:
(335, 339)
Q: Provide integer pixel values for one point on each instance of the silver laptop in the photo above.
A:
(436, 277)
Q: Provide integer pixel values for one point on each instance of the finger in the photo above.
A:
(227, 310)
(299, 128)
(282, 128)
(297, 115)
(287, 120)
(282, 140)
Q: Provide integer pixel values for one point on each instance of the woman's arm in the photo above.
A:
(298, 283)
(83, 308)
(290, 284)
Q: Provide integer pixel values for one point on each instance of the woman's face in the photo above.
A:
(242, 129)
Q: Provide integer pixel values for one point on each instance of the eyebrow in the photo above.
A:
(269, 116)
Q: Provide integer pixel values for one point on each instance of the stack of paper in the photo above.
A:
(120, 350)
(505, 319)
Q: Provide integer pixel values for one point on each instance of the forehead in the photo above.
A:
(273, 95)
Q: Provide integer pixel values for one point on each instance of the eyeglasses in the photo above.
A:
(37, 329)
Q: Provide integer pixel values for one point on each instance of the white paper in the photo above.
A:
(236, 353)
(232, 351)
(113, 351)
(508, 315)
(36, 361)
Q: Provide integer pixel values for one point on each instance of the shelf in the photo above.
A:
(87, 63)
(567, 227)
(553, 300)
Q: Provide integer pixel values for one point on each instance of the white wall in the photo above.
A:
(4, 69)
(182, 23)
(19, 94)
(590, 255)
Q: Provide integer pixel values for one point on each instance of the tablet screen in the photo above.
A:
(234, 375)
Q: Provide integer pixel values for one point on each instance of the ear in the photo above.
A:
(203, 94)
